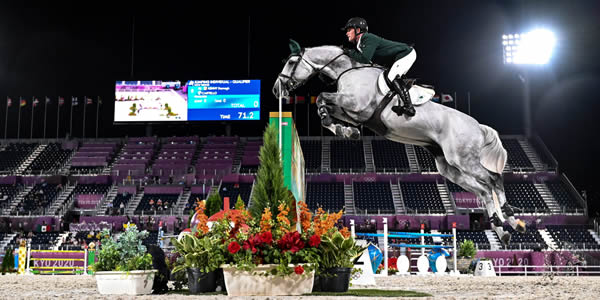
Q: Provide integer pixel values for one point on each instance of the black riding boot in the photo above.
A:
(402, 91)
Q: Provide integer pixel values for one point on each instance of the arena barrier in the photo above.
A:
(423, 263)
(54, 262)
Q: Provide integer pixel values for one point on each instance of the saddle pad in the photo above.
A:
(418, 94)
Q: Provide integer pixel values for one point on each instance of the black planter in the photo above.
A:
(200, 282)
(336, 280)
(317, 284)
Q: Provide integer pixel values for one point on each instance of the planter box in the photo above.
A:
(125, 283)
(242, 283)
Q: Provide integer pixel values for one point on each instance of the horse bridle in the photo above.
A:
(292, 83)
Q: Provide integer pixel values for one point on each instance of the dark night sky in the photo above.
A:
(82, 51)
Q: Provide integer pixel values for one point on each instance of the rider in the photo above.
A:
(396, 56)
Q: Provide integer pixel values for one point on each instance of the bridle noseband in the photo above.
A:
(292, 83)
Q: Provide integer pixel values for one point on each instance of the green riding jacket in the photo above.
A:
(377, 50)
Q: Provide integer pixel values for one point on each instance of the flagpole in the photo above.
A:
(71, 119)
(84, 109)
(57, 116)
(308, 115)
(97, 110)
(6, 118)
(32, 110)
(19, 120)
(469, 101)
(45, 112)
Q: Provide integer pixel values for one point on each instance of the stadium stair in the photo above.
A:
(118, 153)
(6, 241)
(445, 195)
(325, 155)
(64, 170)
(17, 200)
(349, 199)
(397, 197)
(133, 204)
(532, 155)
(237, 159)
(58, 203)
(252, 194)
(548, 239)
(110, 197)
(368, 151)
(183, 199)
(595, 235)
(494, 241)
(548, 197)
(38, 150)
(412, 158)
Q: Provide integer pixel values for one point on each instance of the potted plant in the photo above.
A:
(338, 254)
(466, 253)
(201, 258)
(124, 267)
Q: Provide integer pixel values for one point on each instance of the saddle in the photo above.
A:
(419, 94)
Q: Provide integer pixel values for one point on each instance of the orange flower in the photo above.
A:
(201, 217)
(305, 216)
(282, 218)
(345, 232)
(324, 222)
(266, 222)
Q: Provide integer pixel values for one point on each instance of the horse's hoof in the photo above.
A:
(326, 121)
(339, 131)
(521, 226)
(355, 134)
(505, 239)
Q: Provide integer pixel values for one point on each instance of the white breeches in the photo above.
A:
(401, 66)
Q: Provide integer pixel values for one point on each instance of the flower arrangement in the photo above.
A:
(126, 254)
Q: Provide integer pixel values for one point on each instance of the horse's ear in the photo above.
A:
(295, 47)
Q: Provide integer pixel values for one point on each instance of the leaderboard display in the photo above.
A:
(196, 100)
(223, 100)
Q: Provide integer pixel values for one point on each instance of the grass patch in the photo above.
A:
(373, 293)
(187, 292)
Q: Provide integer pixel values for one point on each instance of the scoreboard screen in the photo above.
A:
(196, 100)
(223, 100)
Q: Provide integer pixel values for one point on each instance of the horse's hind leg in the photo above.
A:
(479, 188)
(507, 210)
(327, 119)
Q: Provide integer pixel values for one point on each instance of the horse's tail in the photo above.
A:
(493, 155)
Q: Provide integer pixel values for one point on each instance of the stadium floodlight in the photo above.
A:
(531, 48)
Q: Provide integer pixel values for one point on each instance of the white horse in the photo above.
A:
(466, 152)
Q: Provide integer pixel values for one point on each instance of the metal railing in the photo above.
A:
(572, 270)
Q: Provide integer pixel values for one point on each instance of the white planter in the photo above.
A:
(125, 283)
(242, 283)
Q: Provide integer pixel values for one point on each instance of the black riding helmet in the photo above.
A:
(356, 22)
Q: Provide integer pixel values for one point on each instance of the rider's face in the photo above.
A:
(350, 33)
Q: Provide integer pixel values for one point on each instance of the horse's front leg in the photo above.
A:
(325, 108)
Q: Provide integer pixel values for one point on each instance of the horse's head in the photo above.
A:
(296, 72)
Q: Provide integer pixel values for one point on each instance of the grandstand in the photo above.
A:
(115, 180)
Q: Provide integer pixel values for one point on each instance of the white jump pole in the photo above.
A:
(280, 119)
(454, 246)
(352, 231)
(385, 247)
(85, 261)
(422, 239)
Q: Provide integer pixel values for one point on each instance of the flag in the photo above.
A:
(289, 100)
(35, 102)
(313, 99)
(47, 100)
(8, 102)
(89, 101)
(61, 101)
(74, 101)
(436, 98)
(23, 102)
(447, 98)
(300, 99)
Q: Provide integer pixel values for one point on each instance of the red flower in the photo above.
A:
(250, 245)
(233, 247)
(266, 237)
(314, 241)
(299, 270)
(291, 242)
